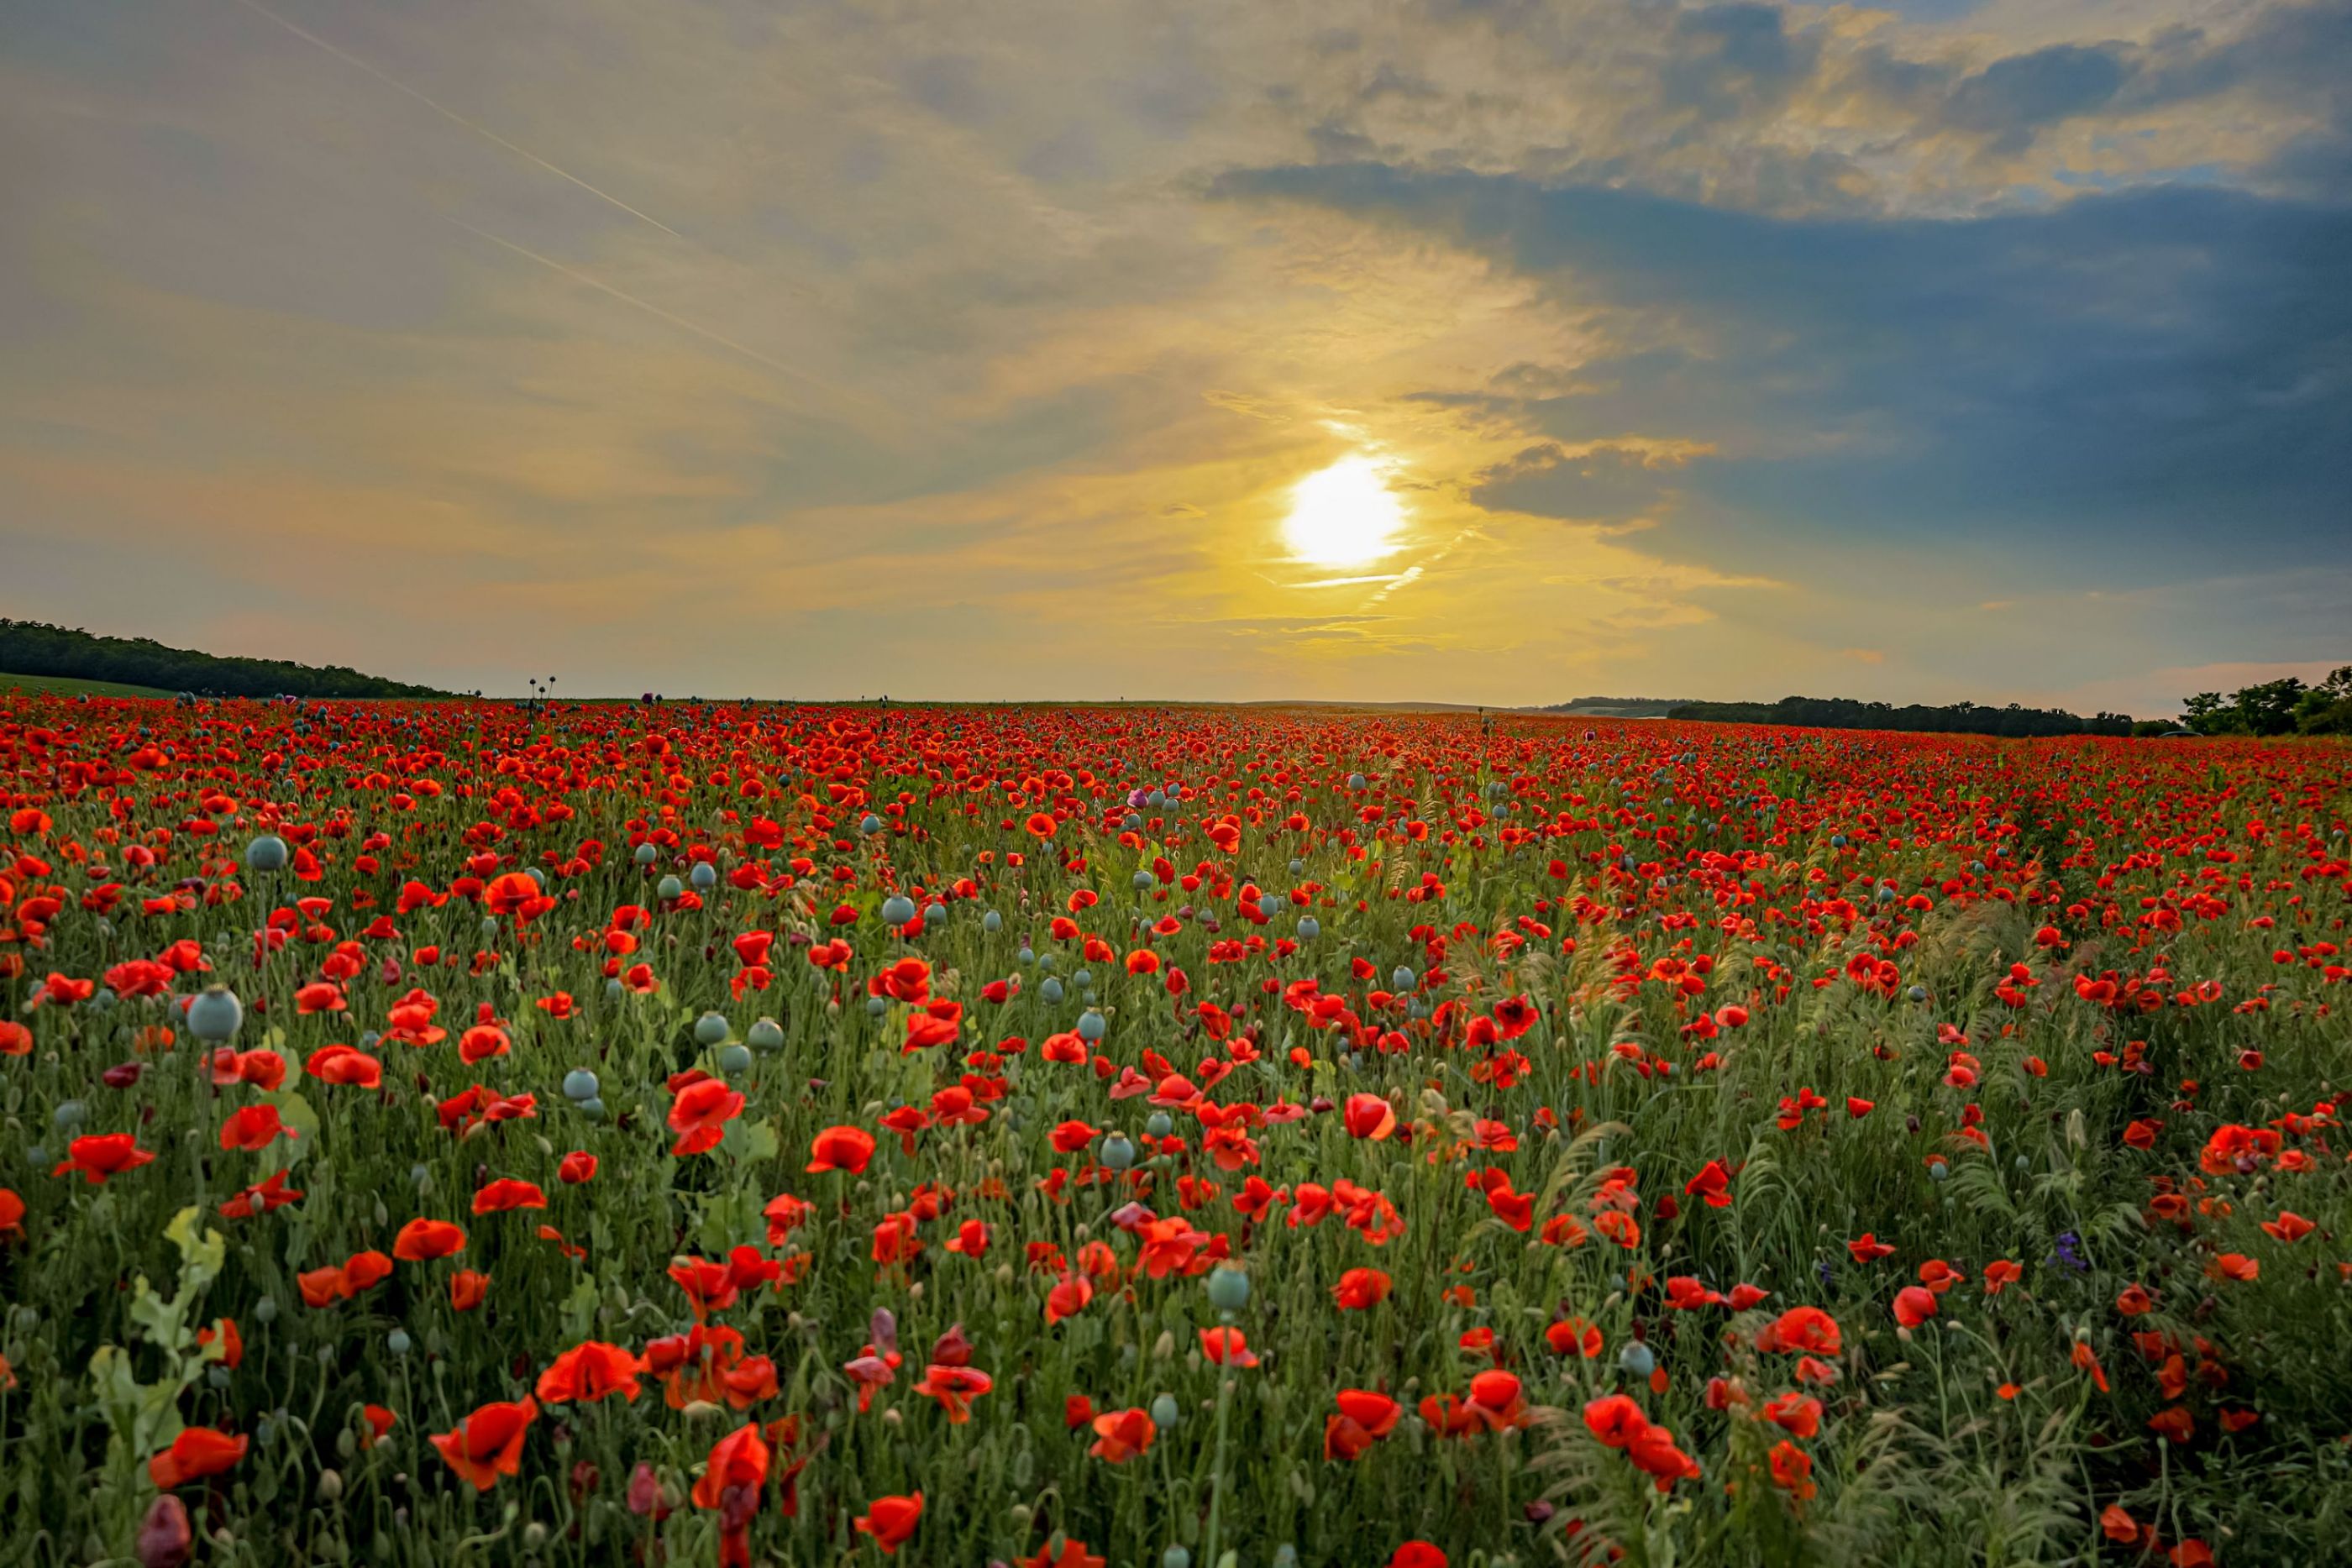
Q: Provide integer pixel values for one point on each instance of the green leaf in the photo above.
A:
(728, 1222)
(201, 1256)
(751, 1142)
(145, 1416)
(302, 1118)
(580, 1308)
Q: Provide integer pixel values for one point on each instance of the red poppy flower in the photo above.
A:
(955, 1387)
(1359, 1289)
(699, 1115)
(841, 1149)
(507, 1194)
(890, 1520)
(252, 1127)
(488, 1444)
(589, 1373)
(195, 1453)
(421, 1240)
(467, 1290)
(1121, 1434)
(102, 1154)
(1369, 1116)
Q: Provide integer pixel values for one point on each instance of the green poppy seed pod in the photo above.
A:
(1166, 1412)
(1229, 1288)
(710, 1028)
(898, 909)
(704, 877)
(580, 1084)
(646, 854)
(1117, 1153)
(267, 853)
(668, 889)
(215, 1015)
(734, 1059)
(992, 923)
(331, 1486)
(397, 1342)
(766, 1034)
(266, 1309)
(1175, 1557)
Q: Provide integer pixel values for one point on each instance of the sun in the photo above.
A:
(1344, 515)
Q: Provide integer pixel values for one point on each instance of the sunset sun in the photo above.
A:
(1344, 515)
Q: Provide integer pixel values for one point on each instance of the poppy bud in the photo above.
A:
(163, 1538)
(644, 1486)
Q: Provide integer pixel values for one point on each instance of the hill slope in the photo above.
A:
(36, 648)
(68, 686)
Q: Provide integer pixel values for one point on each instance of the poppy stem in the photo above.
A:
(1217, 1474)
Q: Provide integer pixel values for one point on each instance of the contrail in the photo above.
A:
(455, 119)
(890, 420)
(649, 309)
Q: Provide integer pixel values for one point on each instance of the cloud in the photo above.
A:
(2145, 369)
(970, 348)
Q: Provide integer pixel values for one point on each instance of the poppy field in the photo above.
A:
(443, 1133)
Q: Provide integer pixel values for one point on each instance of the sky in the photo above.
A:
(1465, 351)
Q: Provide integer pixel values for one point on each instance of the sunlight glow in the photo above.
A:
(1344, 515)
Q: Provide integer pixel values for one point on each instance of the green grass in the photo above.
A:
(67, 686)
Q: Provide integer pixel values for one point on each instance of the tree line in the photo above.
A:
(38, 648)
(1958, 718)
(2275, 707)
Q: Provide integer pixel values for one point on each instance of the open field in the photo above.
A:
(67, 685)
(443, 1133)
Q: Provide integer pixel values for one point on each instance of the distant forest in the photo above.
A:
(36, 648)
(2270, 707)
(1960, 718)
(1617, 707)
